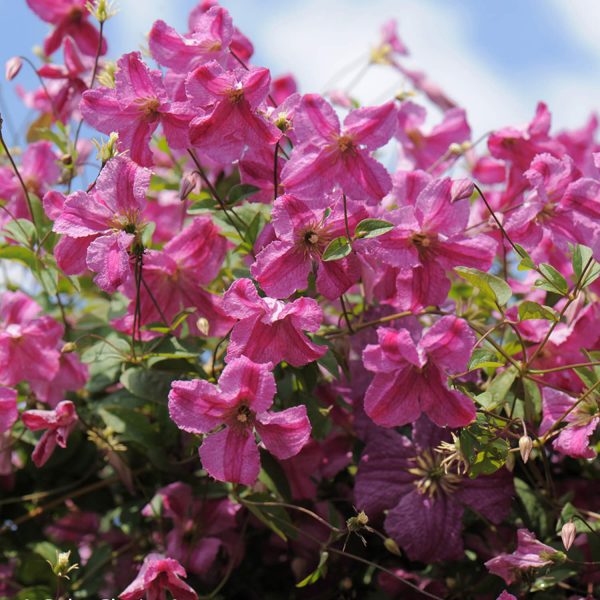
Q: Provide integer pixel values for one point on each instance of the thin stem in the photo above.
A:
(346, 316)
(275, 173)
(41, 80)
(18, 174)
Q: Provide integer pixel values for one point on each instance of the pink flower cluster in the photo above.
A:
(291, 270)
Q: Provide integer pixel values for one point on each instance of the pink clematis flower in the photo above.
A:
(8, 408)
(39, 170)
(428, 240)
(574, 439)
(134, 109)
(72, 375)
(67, 98)
(58, 423)
(158, 575)
(174, 279)
(283, 266)
(27, 341)
(530, 554)
(70, 18)
(563, 206)
(105, 226)
(329, 155)
(209, 40)
(269, 330)
(410, 377)
(428, 149)
(230, 101)
(241, 402)
(211, 524)
(425, 503)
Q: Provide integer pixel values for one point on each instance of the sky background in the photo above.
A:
(497, 58)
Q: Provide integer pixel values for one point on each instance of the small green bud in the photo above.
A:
(62, 566)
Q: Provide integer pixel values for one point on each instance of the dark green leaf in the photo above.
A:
(532, 310)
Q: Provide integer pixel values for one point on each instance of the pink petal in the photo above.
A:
(231, 455)
(195, 406)
(284, 433)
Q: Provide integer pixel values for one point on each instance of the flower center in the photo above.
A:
(244, 414)
(149, 108)
(345, 143)
(236, 94)
(431, 477)
(75, 14)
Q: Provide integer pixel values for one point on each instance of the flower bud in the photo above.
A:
(13, 66)
(108, 149)
(187, 186)
(203, 325)
(391, 546)
(68, 347)
(66, 159)
(567, 534)
(461, 188)
(525, 447)
(510, 462)
(455, 148)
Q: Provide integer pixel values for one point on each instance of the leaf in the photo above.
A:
(319, 572)
(370, 228)
(24, 255)
(581, 257)
(482, 358)
(274, 477)
(553, 282)
(496, 393)
(21, 230)
(491, 286)
(153, 385)
(240, 192)
(532, 310)
(526, 263)
(275, 518)
(337, 248)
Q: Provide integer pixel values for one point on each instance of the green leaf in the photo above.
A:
(275, 518)
(38, 592)
(482, 358)
(496, 393)
(152, 385)
(553, 282)
(491, 286)
(526, 263)
(581, 257)
(240, 192)
(21, 230)
(337, 248)
(319, 572)
(532, 310)
(370, 228)
(20, 253)
(274, 477)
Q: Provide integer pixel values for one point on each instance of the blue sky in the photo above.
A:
(496, 57)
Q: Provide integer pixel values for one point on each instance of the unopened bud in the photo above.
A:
(391, 546)
(13, 66)
(188, 185)
(510, 462)
(525, 447)
(66, 159)
(461, 189)
(203, 325)
(68, 347)
(455, 148)
(567, 534)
